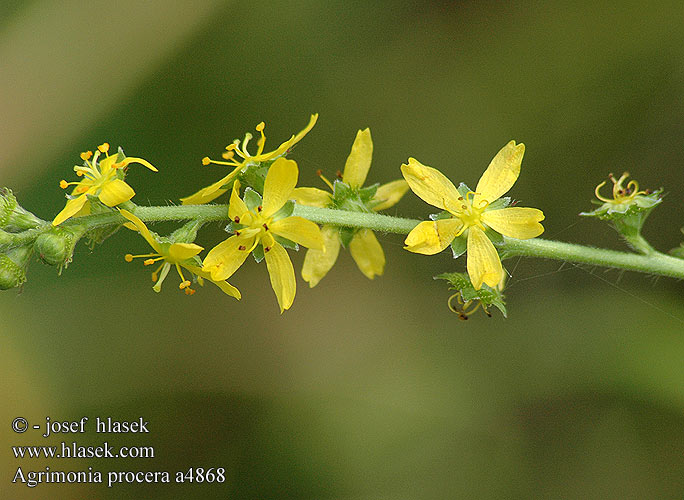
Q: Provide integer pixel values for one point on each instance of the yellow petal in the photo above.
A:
(359, 160)
(225, 258)
(70, 209)
(311, 197)
(178, 252)
(431, 237)
(501, 173)
(516, 222)
(484, 265)
(131, 159)
(299, 230)
(280, 181)
(389, 194)
(226, 287)
(367, 253)
(115, 192)
(282, 275)
(317, 263)
(430, 184)
(211, 192)
(144, 232)
(282, 149)
(237, 207)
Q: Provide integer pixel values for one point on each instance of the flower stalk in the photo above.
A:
(652, 263)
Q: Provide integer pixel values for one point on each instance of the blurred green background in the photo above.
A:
(363, 390)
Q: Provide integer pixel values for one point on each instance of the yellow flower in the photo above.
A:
(244, 160)
(267, 223)
(103, 179)
(349, 195)
(472, 213)
(178, 255)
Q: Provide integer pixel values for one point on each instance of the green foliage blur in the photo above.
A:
(364, 389)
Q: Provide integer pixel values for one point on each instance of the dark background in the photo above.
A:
(364, 389)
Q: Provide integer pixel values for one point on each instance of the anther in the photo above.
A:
(189, 291)
(260, 208)
(236, 219)
(85, 156)
(148, 262)
(265, 226)
(228, 155)
(206, 161)
(460, 198)
(184, 284)
(242, 247)
(104, 147)
(267, 249)
(63, 184)
(128, 257)
(338, 174)
(237, 233)
(319, 172)
(260, 127)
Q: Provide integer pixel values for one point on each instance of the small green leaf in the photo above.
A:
(366, 194)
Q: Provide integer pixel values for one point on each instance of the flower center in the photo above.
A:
(469, 213)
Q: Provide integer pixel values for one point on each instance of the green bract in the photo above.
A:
(469, 298)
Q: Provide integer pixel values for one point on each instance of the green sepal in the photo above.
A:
(258, 253)
(100, 234)
(346, 235)
(366, 194)
(487, 295)
(187, 233)
(286, 243)
(286, 210)
(679, 251)
(463, 190)
(341, 192)
(459, 246)
(252, 199)
(440, 216)
(254, 175)
(493, 236)
(500, 203)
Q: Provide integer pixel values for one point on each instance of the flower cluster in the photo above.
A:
(267, 215)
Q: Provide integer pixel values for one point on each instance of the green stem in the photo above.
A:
(652, 263)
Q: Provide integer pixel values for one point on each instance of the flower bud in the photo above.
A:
(13, 265)
(56, 246)
(12, 216)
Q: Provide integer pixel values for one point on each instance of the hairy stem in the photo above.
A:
(652, 263)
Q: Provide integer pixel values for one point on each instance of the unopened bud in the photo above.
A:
(13, 217)
(13, 265)
(55, 247)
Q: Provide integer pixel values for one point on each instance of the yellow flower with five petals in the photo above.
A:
(174, 254)
(350, 195)
(472, 213)
(243, 161)
(263, 226)
(102, 179)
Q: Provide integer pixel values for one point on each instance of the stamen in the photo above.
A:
(319, 173)
(189, 291)
(206, 161)
(228, 155)
(598, 195)
(85, 156)
(129, 257)
(64, 184)
(149, 262)
(260, 127)
(104, 147)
